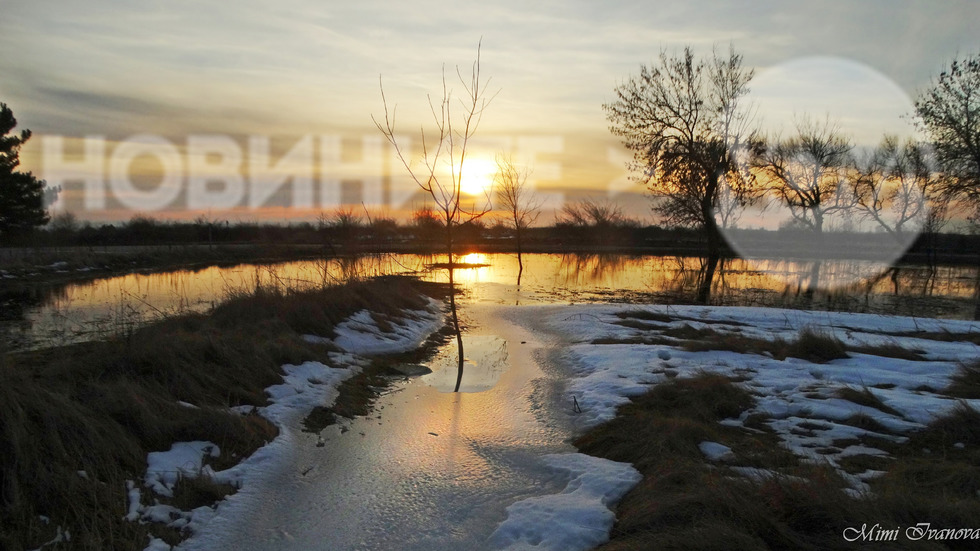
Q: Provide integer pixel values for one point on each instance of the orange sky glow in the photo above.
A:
(263, 113)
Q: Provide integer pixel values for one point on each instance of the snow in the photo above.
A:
(184, 459)
(576, 519)
(361, 334)
(303, 387)
(801, 398)
(714, 451)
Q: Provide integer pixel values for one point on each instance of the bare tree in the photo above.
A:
(898, 186)
(806, 173)
(949, 112)
(440, 171)
(683, 122)
(514, 198)
(589, 213)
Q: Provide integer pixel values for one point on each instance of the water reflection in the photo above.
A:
(485, 361)
(61, 314)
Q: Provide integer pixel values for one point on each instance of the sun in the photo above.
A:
(477, 177)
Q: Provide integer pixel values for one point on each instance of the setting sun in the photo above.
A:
(478, 174)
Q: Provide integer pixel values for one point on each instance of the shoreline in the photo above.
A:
(25, 267)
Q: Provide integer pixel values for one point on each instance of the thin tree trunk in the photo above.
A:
(452, 306)
(520, 262)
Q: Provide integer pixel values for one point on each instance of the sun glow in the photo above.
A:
(477, 177)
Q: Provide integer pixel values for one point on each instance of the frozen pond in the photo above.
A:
(428, 469)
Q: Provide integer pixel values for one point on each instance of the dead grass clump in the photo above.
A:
(644, 315)
(815, 346)
(669, 421)
(965, 383)
(687, 332)
(734, 342)
(865, 397)
(943, 336)
(936, 475)
(958, 429)
(636, 324)
(811, 344)
(890, 350)
(198, 491)
(635, 340)
(865, 422)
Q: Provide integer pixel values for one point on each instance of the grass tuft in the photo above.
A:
(816, 346)
(965, 383)
(865, 397)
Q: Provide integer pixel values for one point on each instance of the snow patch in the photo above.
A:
(714, 451)
(361, 333)
(576, 519)
(183, 460)
(801, 398)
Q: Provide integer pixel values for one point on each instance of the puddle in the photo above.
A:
(484, 361)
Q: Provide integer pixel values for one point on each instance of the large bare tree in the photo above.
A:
(807, 172)
(683, 120)
(949, 112)
(439, 171)
(897, 185)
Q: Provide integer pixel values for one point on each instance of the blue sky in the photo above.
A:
(299, 67)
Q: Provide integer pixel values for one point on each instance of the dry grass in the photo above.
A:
(810, 344)
(101, 407)
(890, 350)
(865, 397)
(684, 503)
(966, 382)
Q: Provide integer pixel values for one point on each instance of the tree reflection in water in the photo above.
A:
(74, 312)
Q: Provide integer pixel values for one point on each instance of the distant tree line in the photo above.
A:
(584, 225)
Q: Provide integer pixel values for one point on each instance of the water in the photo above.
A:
(110, 306)
(428, 469)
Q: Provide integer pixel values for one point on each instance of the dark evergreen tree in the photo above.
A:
(22, 195)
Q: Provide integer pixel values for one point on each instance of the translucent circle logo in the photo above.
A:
(835, 176)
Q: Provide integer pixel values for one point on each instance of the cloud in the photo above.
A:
(301, 67)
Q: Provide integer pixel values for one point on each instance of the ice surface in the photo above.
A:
(485, 360)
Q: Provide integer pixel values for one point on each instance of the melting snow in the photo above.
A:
(800, 397)
(576, 519)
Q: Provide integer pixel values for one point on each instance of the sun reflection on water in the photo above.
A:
(80, 311)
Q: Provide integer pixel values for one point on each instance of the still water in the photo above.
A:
(110, 306)
(427, 468)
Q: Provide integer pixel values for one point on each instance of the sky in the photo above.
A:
(204, 80)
